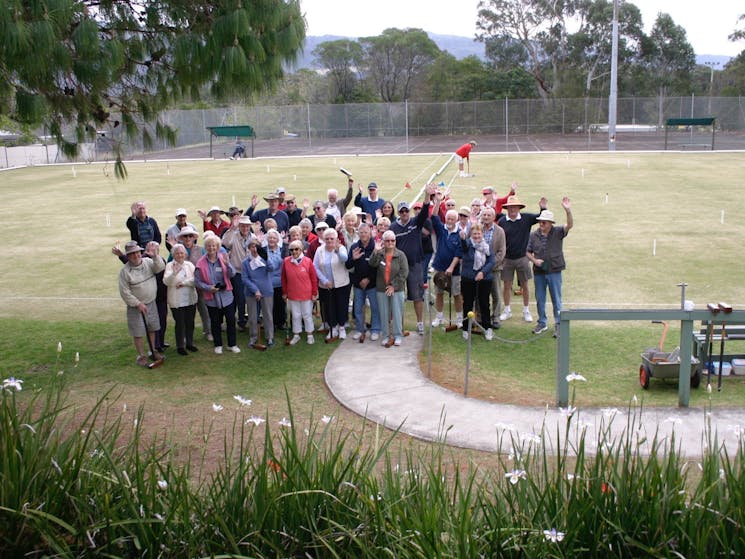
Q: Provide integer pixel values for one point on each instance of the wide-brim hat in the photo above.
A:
(513, 201)
(487, 190)
(546, 215)
(234, 210)
(442, 281)
(131, 247)
(270, 197)
(321, 225)
(215, 209)
(244, 220)
(464, 210)
(181, 211)
(188, 230)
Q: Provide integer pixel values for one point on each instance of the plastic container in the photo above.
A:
(726, 368)
(738, 366)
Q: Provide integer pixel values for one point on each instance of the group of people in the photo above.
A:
(262, 270)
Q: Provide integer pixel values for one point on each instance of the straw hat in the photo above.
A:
(513, 201)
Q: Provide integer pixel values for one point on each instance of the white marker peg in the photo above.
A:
(294, 177)
(654, 247)
(628, 163)
(267, 169)
(74, 172)
(583, 173)
(168, 169)
(108, 220)
(721, 218)
(233, 204)
(606, 197)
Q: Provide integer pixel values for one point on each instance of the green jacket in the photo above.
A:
(399, 270)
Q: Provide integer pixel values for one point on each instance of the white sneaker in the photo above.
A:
(342, 333)
(295, 339)
(311, 340)
(384, 341)
(489, 334)
(506, 314)
(465, 334)
(374, 336)
(356, 335)
(335, 332)
(234, 349)
(437, 321)
(527, 317)
(419, 328)
(397, 341)
(218, 349)
(209, 338)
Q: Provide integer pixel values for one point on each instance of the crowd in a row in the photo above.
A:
(262, 270)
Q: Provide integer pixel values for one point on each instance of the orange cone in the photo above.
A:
(407, 185)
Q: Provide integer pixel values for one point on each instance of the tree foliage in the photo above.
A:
(341, 60)
(79, 65)
(395, 59)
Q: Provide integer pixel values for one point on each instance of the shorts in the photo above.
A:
(135, 325)
(519, 265)
(459, 160)
(414, 289)
(454, 287)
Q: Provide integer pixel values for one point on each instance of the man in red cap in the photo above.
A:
(462, 154)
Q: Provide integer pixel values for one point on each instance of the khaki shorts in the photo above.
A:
(136, 327)
(521, 266)
(454, 287)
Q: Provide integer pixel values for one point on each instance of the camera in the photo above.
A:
(221, 286)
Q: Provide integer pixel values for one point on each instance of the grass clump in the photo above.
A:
(74, 485)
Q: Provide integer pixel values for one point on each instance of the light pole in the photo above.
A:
(613, 97)
(712, 64)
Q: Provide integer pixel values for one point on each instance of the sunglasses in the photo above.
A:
(296, 250)
(403, 211)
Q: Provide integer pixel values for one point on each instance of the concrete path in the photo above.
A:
(386, 386)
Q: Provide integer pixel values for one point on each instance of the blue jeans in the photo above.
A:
(553, 282)
(388, 306)
(359, 309)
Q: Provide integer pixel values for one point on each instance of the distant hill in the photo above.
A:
(461, 47)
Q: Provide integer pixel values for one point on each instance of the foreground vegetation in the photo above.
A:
(93, 486)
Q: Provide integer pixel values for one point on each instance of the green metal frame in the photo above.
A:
(243, 131)
(686, 318)
(705, 121)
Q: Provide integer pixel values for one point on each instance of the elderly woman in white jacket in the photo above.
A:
(182, 297)
(333, 284)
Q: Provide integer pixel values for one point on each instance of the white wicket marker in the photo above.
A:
(294, 177)
(233, 204)
(583, 173)
(628, 163)
(654, 247)
(108, 220)
(606, 197)
(168, 169)
(74, 172)
(721, 218)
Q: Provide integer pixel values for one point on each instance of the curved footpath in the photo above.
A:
(386, 385)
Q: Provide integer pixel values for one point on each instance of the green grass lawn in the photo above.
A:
(59, 282)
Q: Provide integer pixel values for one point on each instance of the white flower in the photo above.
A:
(674, 420)
(162, 484)
(530, 438)
(514, 454)
(553, 536)
(575, 377)
(13, 382)
(158, 516)
(635, 400)
(77, 357)
(505, 426)
(256, 420)
(572, 477)
(708, 388)
(217, 407)
(721, 473)
(327, 419)
(567, 412)
(59, 347)
(516, 475)
(242, 401)
(284, 422)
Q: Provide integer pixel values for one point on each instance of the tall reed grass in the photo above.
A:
(91, 486)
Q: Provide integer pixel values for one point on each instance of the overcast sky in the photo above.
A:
(707, 28)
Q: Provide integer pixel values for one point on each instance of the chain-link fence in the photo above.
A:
(500, 125)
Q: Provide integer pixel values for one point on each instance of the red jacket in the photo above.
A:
(464, 151)
(299, 281)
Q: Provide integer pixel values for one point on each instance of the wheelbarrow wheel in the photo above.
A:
(644, 376)
(696, 378)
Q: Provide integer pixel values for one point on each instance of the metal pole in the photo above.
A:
(506, 124)
(430, 304)
(309, 140)
(613, 97)
(406, 124)
(468, 356)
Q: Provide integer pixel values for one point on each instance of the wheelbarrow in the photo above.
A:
(657, 363)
